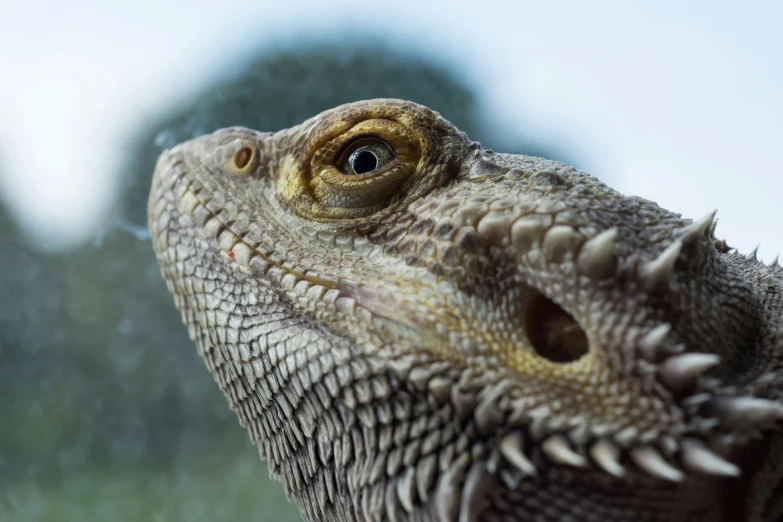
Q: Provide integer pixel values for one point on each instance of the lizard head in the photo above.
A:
(413, 327)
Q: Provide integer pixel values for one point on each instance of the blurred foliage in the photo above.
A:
(106, 411)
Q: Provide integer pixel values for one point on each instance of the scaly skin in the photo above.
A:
(460, 335)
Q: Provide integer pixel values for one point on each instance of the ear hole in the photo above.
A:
(554, 334)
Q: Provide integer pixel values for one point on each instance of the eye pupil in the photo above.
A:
(363, 161)
(366, 156)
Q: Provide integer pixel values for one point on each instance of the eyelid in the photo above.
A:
(405, 143)
(356, 141)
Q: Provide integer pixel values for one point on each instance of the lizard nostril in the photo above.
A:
(554, 334)
(243, 157)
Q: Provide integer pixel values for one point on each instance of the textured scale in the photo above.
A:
(462, 336)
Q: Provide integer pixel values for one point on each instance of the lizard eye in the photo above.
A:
(362, 168)
(366, 155)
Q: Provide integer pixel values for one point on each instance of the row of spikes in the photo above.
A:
(597, 255)
(679, 370)
(694, 454)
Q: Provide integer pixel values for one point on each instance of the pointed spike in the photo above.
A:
(607, 455)
(713, 228)
(774, 262)
(392, 509)
(511, 479)
(580, 429)
(406, 489)
(447, 498)
(559, 450)
(597, 259)
(474, 499)
(668, 444)
(538, 420)
(494, 460)
(694, 402)
(742, 412)
(513, 449)
(698, 457)
(627, 435)
(649, 460)
(651, 343)
(699, 228)
(655, 274)
(488, 415)
(680, 371)
(754, 254)
(678, 348)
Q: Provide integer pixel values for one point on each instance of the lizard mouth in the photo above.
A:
(553, 332)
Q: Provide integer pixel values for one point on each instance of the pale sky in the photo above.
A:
(678, 102)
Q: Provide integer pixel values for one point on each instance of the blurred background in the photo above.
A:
(106, 411)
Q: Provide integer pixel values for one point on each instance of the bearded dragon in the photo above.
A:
(414, 328)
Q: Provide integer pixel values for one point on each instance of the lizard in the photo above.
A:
(412, 327)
